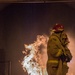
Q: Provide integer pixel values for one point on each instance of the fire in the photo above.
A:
(36, 56)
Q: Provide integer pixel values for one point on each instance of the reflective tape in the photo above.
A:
(53, 61)
(56, 61)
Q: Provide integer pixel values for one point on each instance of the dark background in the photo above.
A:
(20, 23)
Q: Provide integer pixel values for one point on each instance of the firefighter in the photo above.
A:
(58, 52)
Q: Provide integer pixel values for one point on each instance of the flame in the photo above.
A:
(36, 56)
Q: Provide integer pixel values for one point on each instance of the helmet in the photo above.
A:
(58, 28)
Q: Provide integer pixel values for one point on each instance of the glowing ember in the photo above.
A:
(36, 57)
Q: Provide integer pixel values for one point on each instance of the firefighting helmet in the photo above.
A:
(58, 28)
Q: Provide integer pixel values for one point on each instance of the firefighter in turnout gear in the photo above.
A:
(58, 53)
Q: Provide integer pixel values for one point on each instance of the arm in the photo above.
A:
(54, 46)
(69, 55)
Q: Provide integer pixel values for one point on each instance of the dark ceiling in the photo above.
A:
(4, 3)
